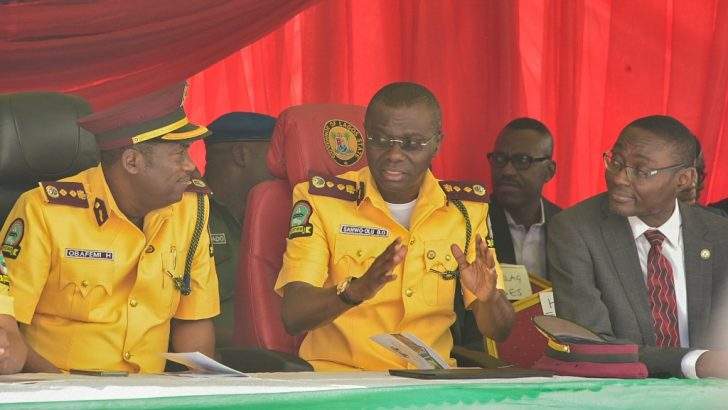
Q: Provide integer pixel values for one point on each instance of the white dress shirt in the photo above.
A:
(673, 249)
(529, 244)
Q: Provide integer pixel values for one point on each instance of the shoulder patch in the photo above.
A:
(336, 188)
(11, 242)
(464, 191)
(4, 278)
(65, 193)
(199, 186)
(300, 215)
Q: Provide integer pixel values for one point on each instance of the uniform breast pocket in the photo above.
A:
(438, 283)
(351, 258)
(85, 290)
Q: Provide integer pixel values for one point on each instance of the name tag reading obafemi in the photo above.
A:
(89, 254)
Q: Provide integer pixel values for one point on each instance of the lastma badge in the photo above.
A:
(343, 141)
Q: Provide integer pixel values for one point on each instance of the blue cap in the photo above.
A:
(241, 126)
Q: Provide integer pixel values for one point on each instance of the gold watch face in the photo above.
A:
(341, 287)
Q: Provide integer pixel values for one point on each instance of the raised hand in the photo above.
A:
(379, 274)
(479, 277)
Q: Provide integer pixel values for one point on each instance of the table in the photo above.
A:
(351, 390)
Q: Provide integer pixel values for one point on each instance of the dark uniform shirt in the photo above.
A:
(225, 233)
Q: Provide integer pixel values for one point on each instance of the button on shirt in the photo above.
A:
(529, 244)
(418, 301)
(101, 296)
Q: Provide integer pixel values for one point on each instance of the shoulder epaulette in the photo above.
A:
(335, 187)
(464, 191)
(65, 193)
(199, 186)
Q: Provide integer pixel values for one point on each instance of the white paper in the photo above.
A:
(547, 302)
(412, 349)
(199, 363)
(516, 282)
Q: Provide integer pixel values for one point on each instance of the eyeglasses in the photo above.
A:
(406, 143)
(615, 166)
(520, 162)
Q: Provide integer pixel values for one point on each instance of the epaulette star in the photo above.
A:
(464, 191)
(335, 187)
(65, 193)
(199, 186)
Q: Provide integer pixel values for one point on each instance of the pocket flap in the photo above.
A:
(438, 256)
(86, 275)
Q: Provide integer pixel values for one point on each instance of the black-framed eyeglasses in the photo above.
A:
(406, 143)
(520, 162)
(615, 166)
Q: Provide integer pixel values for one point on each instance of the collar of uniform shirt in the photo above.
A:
(430, 190)
(100, 189)
(671, 227)
(513, 223)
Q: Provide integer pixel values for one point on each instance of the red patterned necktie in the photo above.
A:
(661, 293)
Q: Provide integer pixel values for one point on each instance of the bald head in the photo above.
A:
(542, 135)
(404, 94)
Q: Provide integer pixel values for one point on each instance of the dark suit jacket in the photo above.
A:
(465, 329)
(598, 281)
(721, 206)
(502, 235)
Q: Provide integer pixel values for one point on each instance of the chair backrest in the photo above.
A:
(323, 138)
(40, 141)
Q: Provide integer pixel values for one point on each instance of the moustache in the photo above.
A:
(507, 182)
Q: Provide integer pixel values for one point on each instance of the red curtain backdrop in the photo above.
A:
(112, 50)
(586, 68)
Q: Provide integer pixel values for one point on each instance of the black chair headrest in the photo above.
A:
(40, 140)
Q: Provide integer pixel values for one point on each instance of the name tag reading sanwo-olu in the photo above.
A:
(363, 230)
(89, 254)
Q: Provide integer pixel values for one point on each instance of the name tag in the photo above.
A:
(547, 302)
(516, 282)
(218, 239)
(363, 231)
(89, 254)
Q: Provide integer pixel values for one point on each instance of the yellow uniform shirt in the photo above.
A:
(339, 225)
(90, 289)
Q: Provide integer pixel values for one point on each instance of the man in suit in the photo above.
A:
(520, 165)
(634, 264)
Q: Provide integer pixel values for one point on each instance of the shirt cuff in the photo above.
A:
(687, 365)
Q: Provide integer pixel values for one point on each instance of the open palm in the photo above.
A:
(479, 277)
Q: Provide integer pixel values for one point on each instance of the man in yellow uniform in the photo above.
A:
(379, 250)
(100, 262)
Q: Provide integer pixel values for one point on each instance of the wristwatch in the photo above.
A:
(341, 292)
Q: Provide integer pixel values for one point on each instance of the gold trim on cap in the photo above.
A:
(146, 136)
(176, 136)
